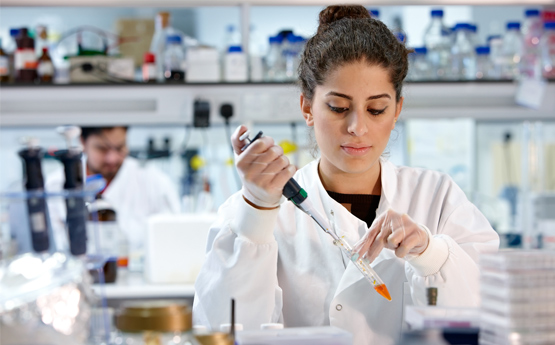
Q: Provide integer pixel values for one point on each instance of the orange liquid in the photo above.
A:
(123, 262)
(382, 290)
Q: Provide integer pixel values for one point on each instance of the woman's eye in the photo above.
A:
(337, 109)
(377, 111)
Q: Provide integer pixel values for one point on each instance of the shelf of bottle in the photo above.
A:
(138, 104)
(189, 3)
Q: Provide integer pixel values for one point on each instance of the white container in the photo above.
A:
(202, 65)
(176, 247)
(235, 65)
(512, 51)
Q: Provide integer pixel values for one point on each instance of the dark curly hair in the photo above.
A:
(346, 33)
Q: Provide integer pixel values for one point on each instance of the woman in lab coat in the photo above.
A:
(281, 267)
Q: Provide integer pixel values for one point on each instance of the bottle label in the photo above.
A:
(45, 68)
(24, 58)
(4, 66)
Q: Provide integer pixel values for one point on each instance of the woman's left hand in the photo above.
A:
(394, 231)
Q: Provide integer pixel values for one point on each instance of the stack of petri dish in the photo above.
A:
(518, 297)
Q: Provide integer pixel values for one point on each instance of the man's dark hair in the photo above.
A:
(88, 131)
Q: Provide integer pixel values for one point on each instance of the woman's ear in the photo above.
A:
(306, 108)
(398, 109)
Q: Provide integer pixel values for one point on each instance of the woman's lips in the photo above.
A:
(355, 150)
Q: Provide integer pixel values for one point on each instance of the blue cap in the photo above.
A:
(173, 39)
(375, 13)
(513, 25)
(473, 28)
(234, 49)
(275, 39)
(14, 32)
(420, 50)
(461, 26)
(484, 50)
(493, 37)
(437, 13)
(549, 25)
(532, 13)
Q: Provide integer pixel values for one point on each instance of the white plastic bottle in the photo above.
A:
(235, 65)
(438, 44)
(174, 60)
(512, 51)
(158, 44)
(547, 44)
(463, 66)
(532, 28)
(484, 66)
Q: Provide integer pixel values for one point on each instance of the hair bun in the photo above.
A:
(336, 12)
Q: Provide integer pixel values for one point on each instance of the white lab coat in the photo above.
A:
(136, 193)
(280, 267)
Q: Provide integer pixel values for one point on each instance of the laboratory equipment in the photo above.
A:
(235, 65)
(155, 322)
(483, 63)
(517, 297)
(298, 196)
(531, 54)
(296, 336)
(162, 30)
(275, 67)
(419, 66)
(4, 66)
(45, 68)
(495, 43)
(36, 205)
(548, 50)
(437, 40)
(176, 238)
(25, 60)
(174, 59)
(149, 68)
(512, 51)
(463, 59)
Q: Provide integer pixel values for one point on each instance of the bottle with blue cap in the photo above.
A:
(532, 29)
(463, 59)
(495, 44)
(174, 60)
(275, 65)
(419, 66)
(547, 44)
(437, 40)
(235, 65)
(512, 51)
(484, 66)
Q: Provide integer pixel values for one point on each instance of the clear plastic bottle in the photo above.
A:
(158, 44)
(495, 44)
(274, 61)
(290, 54)
(484, 66)
(463, 63)
(473, 34)
(512, 51)
(174, 58)
(232, 37)
(438, 44)
(532, 28)
(547, 44)
(419, 66)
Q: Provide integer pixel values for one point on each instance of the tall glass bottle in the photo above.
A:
(438, 44)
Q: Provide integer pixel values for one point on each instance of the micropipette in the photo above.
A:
(298, 196)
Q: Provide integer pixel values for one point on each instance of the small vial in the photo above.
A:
(432, 295)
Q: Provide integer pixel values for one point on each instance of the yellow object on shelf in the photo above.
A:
(197, 162)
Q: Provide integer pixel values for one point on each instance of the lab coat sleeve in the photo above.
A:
(241, 263)
(450, 262)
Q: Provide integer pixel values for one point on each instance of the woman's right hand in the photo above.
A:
(263, 168)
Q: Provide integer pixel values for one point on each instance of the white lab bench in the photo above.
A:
(132, 285)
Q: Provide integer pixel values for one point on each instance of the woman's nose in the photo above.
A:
(356, 125)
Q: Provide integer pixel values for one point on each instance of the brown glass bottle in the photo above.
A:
(25, 58)
(45, 69)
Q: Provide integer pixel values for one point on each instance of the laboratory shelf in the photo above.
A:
(189, 3)
(146, 104)
(133, 285)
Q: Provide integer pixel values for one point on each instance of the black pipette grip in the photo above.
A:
(36, 206)
(76, 210)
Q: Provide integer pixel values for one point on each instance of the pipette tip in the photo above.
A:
(382, 290)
